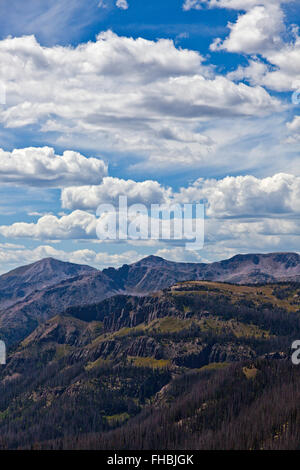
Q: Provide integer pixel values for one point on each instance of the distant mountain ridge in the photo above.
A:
(155, 273)
(38, 292)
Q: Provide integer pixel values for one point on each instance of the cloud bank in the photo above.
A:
(268, 204)
(124, 95)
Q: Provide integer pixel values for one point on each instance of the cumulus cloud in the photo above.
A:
(124, 95)
(257, 31)
(77, 225)
(81, 225)
(42, 167)
(123, 4)
(237, 202)
(279, 71)
(246, 196)
(89, 197)
(240, 196)
(275, 49)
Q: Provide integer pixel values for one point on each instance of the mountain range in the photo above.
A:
(155, 354)
(32, 294)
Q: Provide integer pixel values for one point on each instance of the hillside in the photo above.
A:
(174, 361)
(23, 317)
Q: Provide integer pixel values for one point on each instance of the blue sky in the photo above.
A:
(174, 101)
(75, 21)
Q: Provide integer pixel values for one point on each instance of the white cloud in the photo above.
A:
(225, 238)
(240, 196)
(257, 31)
(42, 167)
(192, 5)
(124, 95)
(98, 260)
(262, 32)
(240, 233)
(230, 4)
(77, 225)
(89, 197)
(235, 206)
(179, 254)
(123, 4)
(246, 196)
(281, 72)
(254, 72)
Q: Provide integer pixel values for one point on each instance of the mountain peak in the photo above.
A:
(17, 284)
(152, 260)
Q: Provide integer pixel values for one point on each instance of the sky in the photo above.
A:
(180, 101)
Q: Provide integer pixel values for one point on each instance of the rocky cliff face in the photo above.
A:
(126, 311)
